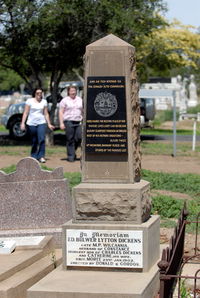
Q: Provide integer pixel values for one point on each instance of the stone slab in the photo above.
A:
(94, 284)
(16, 284)
(29, 242)
(7, 246)
(14, 262)
(112, 202)
(151, 238)
(20, 259)
(25, 241)
(56, 233)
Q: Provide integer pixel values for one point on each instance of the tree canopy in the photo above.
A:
(171, 49)
(39, 38)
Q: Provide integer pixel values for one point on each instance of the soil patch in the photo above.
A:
(176, 195)
(169, 164)
(189, 245)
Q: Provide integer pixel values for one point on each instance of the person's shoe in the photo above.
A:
(42, 160)
(70, 159)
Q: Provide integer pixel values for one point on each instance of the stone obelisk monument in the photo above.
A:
(111, 246)
(111, 207)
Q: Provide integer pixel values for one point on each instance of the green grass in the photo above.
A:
(166, 206)
(147, 147)
(9, 169)
(158, 131)
(25, 150)
(183, 183)
(74, 178)
(167, 223)
(3, 129)
(169, 208)
(166, 148)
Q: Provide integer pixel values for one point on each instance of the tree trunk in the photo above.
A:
(49, 139)
(54, 84)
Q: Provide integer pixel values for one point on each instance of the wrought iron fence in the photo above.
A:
(173, 259)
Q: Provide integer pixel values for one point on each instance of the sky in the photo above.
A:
(186, 11)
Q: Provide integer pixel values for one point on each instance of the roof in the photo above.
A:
(156, 93)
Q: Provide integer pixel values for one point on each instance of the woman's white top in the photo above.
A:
(36, 113)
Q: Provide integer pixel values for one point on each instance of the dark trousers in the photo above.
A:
(73, 138)
(37, 134)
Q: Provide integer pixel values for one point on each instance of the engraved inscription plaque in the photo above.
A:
(104, 248)
(106, 127)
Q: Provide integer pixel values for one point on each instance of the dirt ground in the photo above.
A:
(157, 163)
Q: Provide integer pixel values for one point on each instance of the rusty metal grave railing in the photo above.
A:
(173, 259)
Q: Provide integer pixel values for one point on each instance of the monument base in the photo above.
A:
(89, 253)
(95, 284)
(112, 202)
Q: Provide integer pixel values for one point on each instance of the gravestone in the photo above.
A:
(111, 226)
(193, 98)
(111, 245)
(33, 201)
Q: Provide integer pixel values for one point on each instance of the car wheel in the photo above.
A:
(15, 131)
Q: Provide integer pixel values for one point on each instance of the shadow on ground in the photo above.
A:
(6, 140)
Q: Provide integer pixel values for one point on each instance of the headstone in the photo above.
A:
(193, 98)
(33, 200)
(183, 100)
(112, 226)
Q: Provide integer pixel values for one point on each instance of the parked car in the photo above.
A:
(12, 119)
(13, 115)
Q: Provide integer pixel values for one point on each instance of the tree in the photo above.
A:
(39, 38)
(172, 49)
(9, 80)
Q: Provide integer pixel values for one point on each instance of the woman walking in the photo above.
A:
(70, 116)
(38, 117)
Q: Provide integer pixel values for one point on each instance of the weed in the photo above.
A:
(166, 206)
(184, 292)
